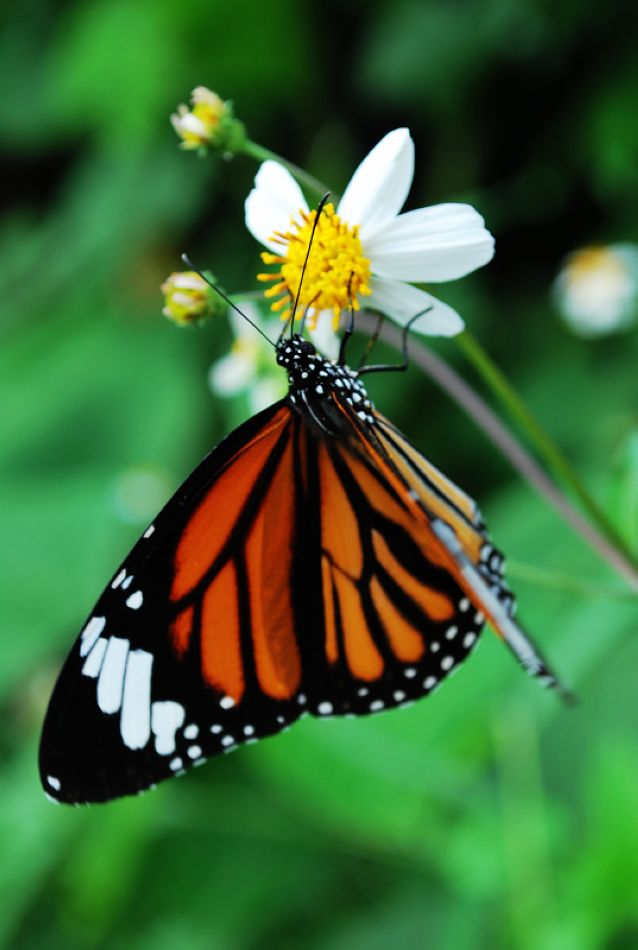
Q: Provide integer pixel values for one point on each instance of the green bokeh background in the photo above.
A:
(487, 816)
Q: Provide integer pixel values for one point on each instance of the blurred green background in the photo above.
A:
(487, 816)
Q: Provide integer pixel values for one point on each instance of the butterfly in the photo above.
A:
(314, 562)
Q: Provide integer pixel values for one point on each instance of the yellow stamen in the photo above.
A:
(337, 272)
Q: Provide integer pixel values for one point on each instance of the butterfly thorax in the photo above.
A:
(316, 384)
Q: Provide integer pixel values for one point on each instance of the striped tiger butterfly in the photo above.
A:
(314, 562)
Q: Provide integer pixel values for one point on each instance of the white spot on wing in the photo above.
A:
(166, 719)
(127, 581)
(93, 662)
(110, 684)
(135, 721)
(324, 708)
(194, 752)
(149, 531)
(191, 731)
(135, 600)
(447, 662)
(469, 639)
(54, 782)
(118, 580)
(376, 705)
(227, 702)
(176, 764)
(91, 632)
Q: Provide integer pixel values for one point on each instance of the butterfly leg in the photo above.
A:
(349, 329)
(396, 367)
(371, 342)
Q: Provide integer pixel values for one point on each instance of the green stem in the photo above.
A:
(544, 444)
(263, 155)
(566, 582)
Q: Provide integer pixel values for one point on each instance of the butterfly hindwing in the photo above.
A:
(395, 622)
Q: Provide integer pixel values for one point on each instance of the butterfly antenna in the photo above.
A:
(320, 208)
(283, 331)
(186, 259)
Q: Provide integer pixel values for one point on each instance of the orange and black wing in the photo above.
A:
(293, 571)
(192, 648)
(396, 622)
(446, 526)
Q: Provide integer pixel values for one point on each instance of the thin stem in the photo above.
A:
(263, 155)
(544, 444)
(524, 827)
(532, 574)
(487, 420)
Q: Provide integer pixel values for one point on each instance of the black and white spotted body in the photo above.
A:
(313, 380)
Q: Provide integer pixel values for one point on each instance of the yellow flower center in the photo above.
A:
(209, 113)
(337, 272)
(595, 260)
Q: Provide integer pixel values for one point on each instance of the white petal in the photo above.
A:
(264, 392)
(381, 183)
(231, 374)
(401, 302)
(190, 123)
(274, 200)
(188, 281)
(241, 327)
(324, 337)
(431, 244)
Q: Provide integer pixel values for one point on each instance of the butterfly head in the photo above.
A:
(299, 357)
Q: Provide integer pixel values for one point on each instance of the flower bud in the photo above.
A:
(189, 299)
(209, 123)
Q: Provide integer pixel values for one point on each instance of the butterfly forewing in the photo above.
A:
(176, 662)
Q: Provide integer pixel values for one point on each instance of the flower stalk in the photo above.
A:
(553, 457)
(261, 154)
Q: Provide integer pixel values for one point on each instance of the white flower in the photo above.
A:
(249, 368)
(597, 289)
(366, 248)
